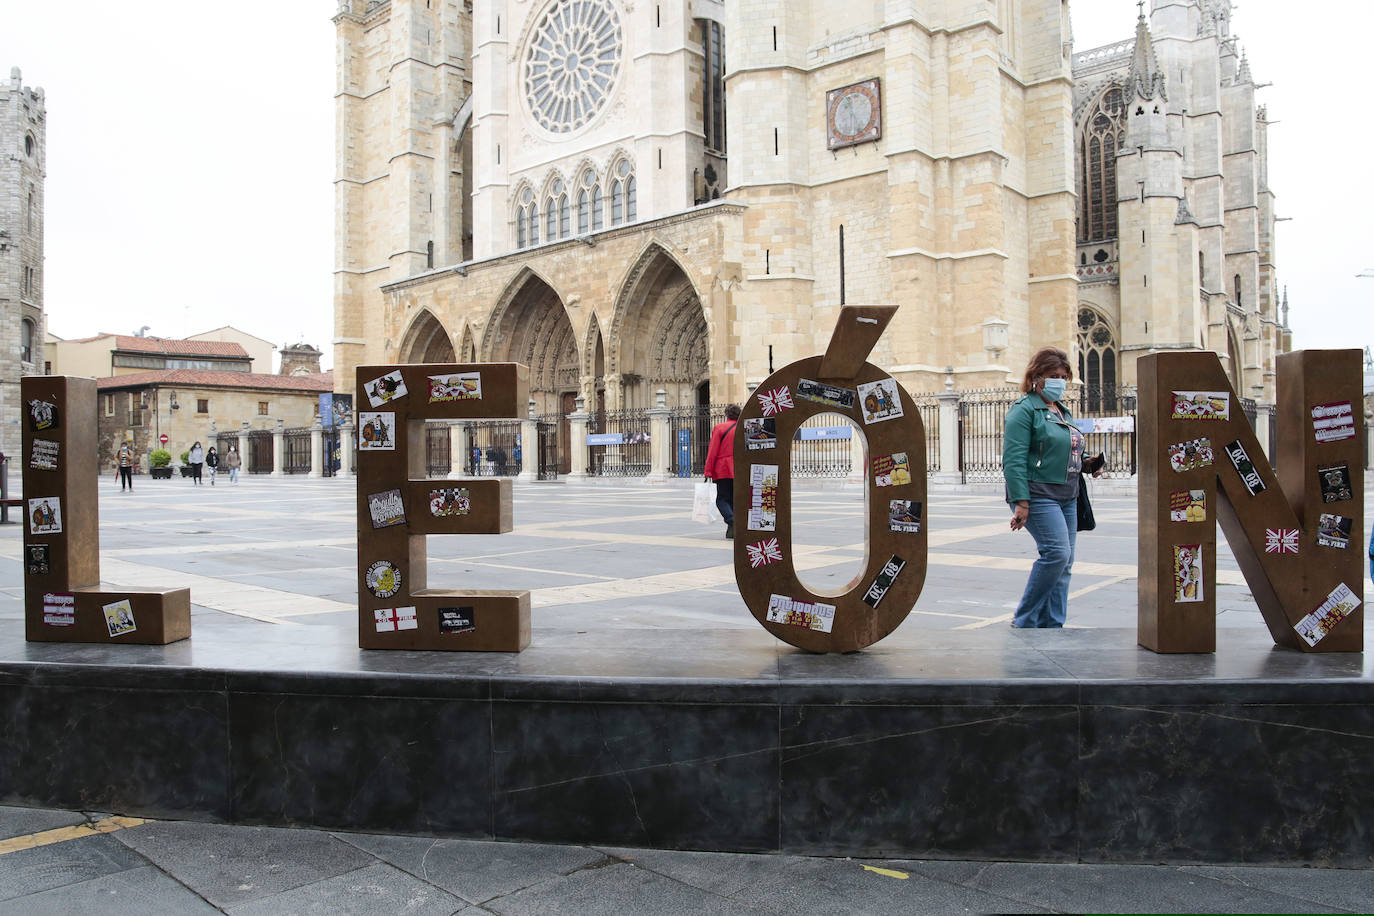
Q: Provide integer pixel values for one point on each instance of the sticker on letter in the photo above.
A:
(1340, 604)
(1333, 422)
(386, 508)
(763, 497)
(904, 515)
(391, 619)
(797, 613)
(1188, 573)
(775, 401)
(1281, 540)
(454, 620)
(45, 515)
(460, 386)
(1196, 453)
(449, 501)
(1202, 405)
(37, 559)
(821, 393)
(1335, 481)
(760, 433)
(1245, 468)
(119, 618)
(883, 582)
(42, 415)
(1188, 506)
(59, 610)
(880, 400)
(891, 470)
(387, 388)
(44, 455)
(763, 553)
(377, 431)
(1334, 531)
(383, 579)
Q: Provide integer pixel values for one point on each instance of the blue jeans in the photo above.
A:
(725, 499)
(1054, 525)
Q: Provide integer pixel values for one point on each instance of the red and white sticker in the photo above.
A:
(775, 401)
(390, 619)
(763, 553)
(59, 610)
(1333, 422)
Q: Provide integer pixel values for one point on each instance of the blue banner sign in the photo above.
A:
(810, 433)
(606, 439)
(684, 453)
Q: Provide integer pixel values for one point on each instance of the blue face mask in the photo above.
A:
(1054, 388)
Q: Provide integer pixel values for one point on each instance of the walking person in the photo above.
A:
(1042, 455)
(212, 462)
(125, 460)
(233, 462)
(196, 459)
(720, 467)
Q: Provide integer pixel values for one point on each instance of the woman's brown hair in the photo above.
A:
(1045, 361)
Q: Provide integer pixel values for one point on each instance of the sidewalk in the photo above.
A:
(151, 868)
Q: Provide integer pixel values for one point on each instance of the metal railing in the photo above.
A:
(547, 446)
(438, 450)
(822, 446)
(929, 409)
(691, 429)
(296, 443)
(259, 457)
(982, 419)
(618, 444)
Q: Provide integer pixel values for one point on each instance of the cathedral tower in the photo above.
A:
(23, 158)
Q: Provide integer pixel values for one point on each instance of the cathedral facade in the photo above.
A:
(1175, 213)
(633, 197)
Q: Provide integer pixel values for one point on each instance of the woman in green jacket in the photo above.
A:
(1042, 455)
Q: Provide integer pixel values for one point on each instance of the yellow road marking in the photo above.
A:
(887, 872)
(64, 834)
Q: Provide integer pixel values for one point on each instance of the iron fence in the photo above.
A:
(982, 418)
(296, 444)
(618, 444)
(691, 429)
(259, 457)
(929, 409)
(438, 450)
(822, 446)
(548, 452)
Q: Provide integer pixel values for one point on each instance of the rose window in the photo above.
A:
(571, 63)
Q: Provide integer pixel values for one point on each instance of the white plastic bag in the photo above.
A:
(704, 503)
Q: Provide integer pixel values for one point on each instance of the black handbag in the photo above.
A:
(1086, 521)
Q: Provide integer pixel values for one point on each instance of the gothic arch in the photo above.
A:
(1098, 355)
(426, 341)
(467, 351)
(1099, 131)
(1235, 364)
(530, 325)
(658, 330)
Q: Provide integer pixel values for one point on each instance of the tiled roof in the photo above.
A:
(220, 378)
(167, 346)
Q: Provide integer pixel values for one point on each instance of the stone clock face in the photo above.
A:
(571, 62)
(853, 114)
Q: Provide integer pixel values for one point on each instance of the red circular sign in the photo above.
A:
(162, 438)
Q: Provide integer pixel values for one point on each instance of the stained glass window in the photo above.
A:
(571, 63)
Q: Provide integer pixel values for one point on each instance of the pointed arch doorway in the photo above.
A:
(426, 341)
(658, 336)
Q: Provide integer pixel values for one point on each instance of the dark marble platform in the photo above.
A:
(1059, 746)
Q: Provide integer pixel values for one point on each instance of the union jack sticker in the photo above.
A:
(763, 553)
(1280, 540)
(775, 401)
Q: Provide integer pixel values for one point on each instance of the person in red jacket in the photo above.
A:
(720, 467)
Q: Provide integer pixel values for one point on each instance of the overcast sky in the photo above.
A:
(190, 161)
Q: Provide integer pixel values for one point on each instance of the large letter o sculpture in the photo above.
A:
(895, 556)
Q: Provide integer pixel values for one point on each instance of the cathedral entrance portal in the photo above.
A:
(426, 341)
(658, 336)
(531, 326)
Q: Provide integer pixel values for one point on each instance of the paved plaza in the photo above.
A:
(271, 563)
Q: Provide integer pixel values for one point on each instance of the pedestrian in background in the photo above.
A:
(212, 462)
(233, 462)
(1042, 455)
(196, 459)
(720, 467)
(125, 460)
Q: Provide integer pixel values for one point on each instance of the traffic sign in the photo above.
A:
(162, 438)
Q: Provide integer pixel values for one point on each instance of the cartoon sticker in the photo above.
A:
(395, 618)
(1335, 481)
(775, 401)
(377, 431)
(460, 386)
(1188, 573)
(820, 393)
(45, 515)
(386, 388)
(1202, 405)
(387, 508)
(764, 553)
(1334, 531)
(763, 497)
(880, 400)
(44, 455)
(1281, 540)
(1196, 453)
(454, 620)
(904, 515)
(1245, 468)
(119, 618)
(1188, 506)
(1333, 422)
(1340, 604)
(883, 582)
(383, 579)
(797, 613)
(42, 415)
(891, 470)
(59, 610)
(449, 501)
(761, 433)
(37, 559)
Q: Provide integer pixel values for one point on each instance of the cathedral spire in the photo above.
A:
(1146, 77)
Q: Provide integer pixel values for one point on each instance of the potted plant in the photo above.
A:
(159, 460)
(186, 463)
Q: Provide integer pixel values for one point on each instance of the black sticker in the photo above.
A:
(904, 515)
(1335, 481)
(37, 559)
(42, 415)
(884, 581)
(44, 454)
(457, 620)
(386, 508)
(1245, 468)
(1334, 531)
